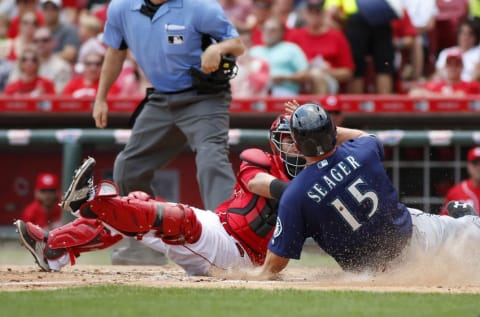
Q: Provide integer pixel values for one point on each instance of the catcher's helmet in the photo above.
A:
(313, 130)
(293, 161)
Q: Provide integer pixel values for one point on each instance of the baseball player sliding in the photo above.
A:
(235, 235)
(345, 201)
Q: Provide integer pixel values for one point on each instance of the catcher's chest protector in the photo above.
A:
(251, 218)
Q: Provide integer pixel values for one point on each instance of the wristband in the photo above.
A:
(277, 187)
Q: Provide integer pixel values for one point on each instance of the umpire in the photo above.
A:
(179, 44)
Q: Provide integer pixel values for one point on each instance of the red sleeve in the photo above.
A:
(247, 172)
(13, 29)
(11, 88)
(292, 36)
(33, 214)
(474, 88)
(345, 58)
(257, 36)
(40, 18)
(69, 87)
(454, 193)
(403, 27)
(48, 86)
(114, 90)
(28, 213)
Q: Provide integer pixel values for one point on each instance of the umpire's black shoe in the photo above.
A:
(34, 239)
(81, 188)
(457, 209)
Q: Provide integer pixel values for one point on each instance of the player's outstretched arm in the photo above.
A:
(345, 134)
(273, 265)
(266, 185)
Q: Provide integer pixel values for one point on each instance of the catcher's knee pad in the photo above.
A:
(80, 235)
(179, 224)
(131, 216)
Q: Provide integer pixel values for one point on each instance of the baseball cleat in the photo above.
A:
(81, 188)
(457, 209)
(34, 239)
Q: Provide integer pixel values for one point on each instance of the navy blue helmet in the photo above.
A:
(313, 130)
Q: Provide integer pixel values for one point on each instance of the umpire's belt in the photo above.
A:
(173, 92)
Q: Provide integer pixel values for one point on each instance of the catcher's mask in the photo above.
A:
(283, 146)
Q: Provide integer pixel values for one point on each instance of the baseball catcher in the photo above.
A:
(235, 235)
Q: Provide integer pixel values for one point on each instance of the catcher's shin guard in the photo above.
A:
(80, 235)
(175, 224)
(130, 216)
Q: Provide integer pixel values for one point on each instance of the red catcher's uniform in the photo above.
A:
(463, 191)
(242, 224)
(248, 217)
(38, 215)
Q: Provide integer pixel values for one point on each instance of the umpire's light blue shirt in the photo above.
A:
(166, 46)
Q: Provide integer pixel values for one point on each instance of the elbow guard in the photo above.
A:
(256, 157)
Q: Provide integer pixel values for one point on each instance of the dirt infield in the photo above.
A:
(456, 271)
(28, 277)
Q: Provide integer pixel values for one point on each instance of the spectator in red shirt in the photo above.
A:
(45, 210)
(468, 190)
(86, 85)
(52, 66)
(452, 85)
(28, 24)
(261, 12)
(327, 50)
(30, 83)
(22, 7)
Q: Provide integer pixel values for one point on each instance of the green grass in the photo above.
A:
(143, 301)
(134, 301)
(11, 252)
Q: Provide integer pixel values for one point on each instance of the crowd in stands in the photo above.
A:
(294, 47)
(353, 46)
(55, 47)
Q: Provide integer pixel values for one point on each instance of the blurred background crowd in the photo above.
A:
(431, 47)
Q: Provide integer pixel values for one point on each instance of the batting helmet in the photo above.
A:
(313, 130)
